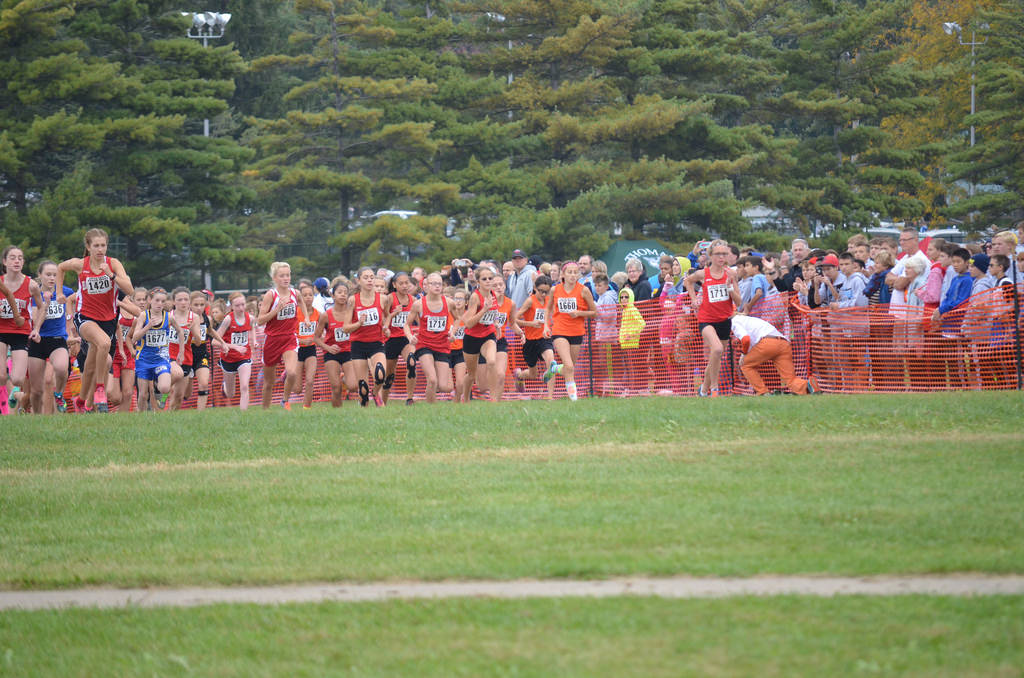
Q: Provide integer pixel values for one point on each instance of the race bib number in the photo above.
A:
(718, 293)
(369, 316)
(306, 329)
(566, 304)
(202, 333)
(239, 338)
(172, 335)
(158, 338)
(399, 319)
(460, 332)
(54, 310)
(437, 323)
(538, 315)
(500, 318)
(287, 312)
(340, 335)
(124, 332)
(488, 317)
(98, 285)
(5, 308)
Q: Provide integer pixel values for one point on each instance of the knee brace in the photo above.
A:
(364, 392)
(202, 392)
(410, 366)
(389, 381)
(378, 373)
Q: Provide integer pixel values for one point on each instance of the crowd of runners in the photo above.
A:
(450, 329)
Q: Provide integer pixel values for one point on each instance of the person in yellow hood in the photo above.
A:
(631, 325)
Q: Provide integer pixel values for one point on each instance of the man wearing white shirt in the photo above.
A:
(760, 342)
(897, 279)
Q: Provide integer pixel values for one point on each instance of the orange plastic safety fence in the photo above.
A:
(879, 348)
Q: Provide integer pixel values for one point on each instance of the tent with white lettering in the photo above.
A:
(647, 251)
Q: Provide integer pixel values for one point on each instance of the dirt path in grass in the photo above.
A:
(668, 587)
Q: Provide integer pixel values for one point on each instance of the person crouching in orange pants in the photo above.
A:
(760, 343)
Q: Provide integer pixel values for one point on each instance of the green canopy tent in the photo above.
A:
(646, 251)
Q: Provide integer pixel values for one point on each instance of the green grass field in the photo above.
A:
(851, 485)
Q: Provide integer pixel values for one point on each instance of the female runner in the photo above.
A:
(181, 361)
(278, 312)
(201, 350)
(236, 360)
(153, 329)
(431, 342)
(305, 334)
(718, 298)
(481, 312)
(397, 346)
(366, 310)
(456, 335)
(337, 345)
(15, 322)
(536, 346)
(506, 313)
(121, 380)
(99, 278)
(50, 332)
(568, 306)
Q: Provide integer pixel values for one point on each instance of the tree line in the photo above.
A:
(555, 126)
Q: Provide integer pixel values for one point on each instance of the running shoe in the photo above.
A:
(162, 399)
(520, 386)
(408, 401)
(377, 400)
(570, 388)
(12, 401)
(812, 386)
(59, 401)
(307, 407)
(78, 404)
(551, 371)
(287, 406)
(701, 393)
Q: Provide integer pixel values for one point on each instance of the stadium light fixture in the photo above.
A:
(207, 26)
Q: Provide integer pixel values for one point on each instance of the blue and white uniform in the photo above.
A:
(53, 332)
(154, 358)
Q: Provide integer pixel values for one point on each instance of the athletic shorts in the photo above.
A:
(574, 340)
(275, 346)
(456, 357)
(341, 357)
(14, 341)
(46, 346)
(232, 367)
(108, 326)
(394, 346)
(364, 350)
(186, 370)
(306, 352)
(127, 363)
(150, 371)
(472, 345)
(439, 356)
(200, 357)
(533, 349)
(722, 328)
(502, 346)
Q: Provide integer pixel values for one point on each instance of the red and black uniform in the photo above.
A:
(716, 306)
(335, 335)
(16, 337)
(479, 334)
(97, 298)
(432, 333)
(117, 363)
(237, 335)
(400, 312)
(368, 340)
(280, 329)
(201, 344)
(184, 360)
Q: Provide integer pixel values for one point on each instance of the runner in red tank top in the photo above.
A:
(121, 382)
(366, 311)
(98, 275)
(236, 361)
(181, 361)
(15, 322)
(719, 295)
(278, 314)
(337, 345)
(431, 341)
(479, 339)
(305, 334)
(397, 346)
(457, 334)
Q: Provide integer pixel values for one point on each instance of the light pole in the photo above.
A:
(207, 26)
(951, 27)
